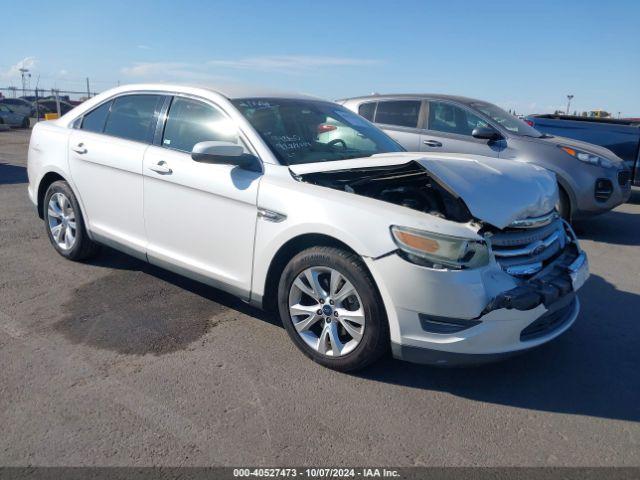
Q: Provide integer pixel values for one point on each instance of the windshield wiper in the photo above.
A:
(358, 155)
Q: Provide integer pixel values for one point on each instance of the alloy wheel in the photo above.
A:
(326, 311)
(61, 219)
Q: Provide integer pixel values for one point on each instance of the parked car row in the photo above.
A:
(11, 118)
(304, 207)
(591, 179)
(621, 137)
(32, 108)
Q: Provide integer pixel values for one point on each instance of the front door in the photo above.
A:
(200, 218)
(449, 128)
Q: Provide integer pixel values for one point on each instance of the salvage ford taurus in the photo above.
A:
(357, 244)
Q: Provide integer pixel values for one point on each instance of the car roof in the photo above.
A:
(400, 96)
(231, 91)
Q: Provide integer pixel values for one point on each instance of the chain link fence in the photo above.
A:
(44, 102)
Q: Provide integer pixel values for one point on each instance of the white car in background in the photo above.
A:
(357, 244)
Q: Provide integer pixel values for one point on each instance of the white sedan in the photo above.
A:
(359, 246)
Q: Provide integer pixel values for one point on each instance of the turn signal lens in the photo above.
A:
(419, 243)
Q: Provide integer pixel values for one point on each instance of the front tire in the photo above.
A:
(65, 225)
(332, 310)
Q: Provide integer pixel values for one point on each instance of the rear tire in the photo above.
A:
(25, 123)
(355, 332)
(65, 225)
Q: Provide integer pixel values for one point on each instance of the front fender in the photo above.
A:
(361, 223)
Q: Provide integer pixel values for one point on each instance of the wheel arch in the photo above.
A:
(45, 182)
(564, 186)
(53, 175)
(285, 253)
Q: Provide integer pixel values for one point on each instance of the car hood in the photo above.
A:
(496, 191)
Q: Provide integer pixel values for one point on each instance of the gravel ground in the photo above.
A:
(115, 362)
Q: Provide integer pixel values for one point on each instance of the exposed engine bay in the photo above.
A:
(408, 185)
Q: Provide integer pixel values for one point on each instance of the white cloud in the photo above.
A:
(144, 47)
(214, 69)
(14, 70)
(163, 71)
(292, 63)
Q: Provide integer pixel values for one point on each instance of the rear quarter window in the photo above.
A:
(367, 110)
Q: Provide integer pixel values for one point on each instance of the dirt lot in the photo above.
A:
(115, 362)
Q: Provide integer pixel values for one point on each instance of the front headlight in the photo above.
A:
(439, 251)
(587, 157)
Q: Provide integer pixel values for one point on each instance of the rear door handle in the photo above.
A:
(161, 167)
(79, 149)
(432, 143)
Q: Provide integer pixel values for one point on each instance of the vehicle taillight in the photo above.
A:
(529, 122)
(324, 128)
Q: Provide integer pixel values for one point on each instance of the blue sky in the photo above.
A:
(524, 55)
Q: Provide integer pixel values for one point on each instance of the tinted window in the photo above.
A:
(403, 113)
(449, 118)
(367, 110)
(307, 131)
(190, 122)
(133, 117)
(94, 120)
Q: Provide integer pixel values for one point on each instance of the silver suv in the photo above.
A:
(592, 179)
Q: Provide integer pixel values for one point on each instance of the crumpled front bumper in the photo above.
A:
(566, 274)
(449, 317)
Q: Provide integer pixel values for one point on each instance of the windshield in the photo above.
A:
(307, 131)
(508, 121)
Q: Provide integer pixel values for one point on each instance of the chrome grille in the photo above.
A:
(522, 252)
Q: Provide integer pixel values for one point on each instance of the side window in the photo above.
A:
(403, 113)
(448, 118)
(190, 122)
(94, 120)
(133, 117)
(367, 110)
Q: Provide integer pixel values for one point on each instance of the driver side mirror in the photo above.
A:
(486, 133)
(225, 153)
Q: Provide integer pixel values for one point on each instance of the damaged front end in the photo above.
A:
(539, 253)
(544, 257)
(408, 185)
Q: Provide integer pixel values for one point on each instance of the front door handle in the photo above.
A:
(79, 149)
(161, 167)
(432, 143)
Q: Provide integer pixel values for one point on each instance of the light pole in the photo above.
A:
(24, 72)
(569, 97)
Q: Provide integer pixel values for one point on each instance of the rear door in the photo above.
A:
(105, 158)
(448, 129)
(399, 119)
